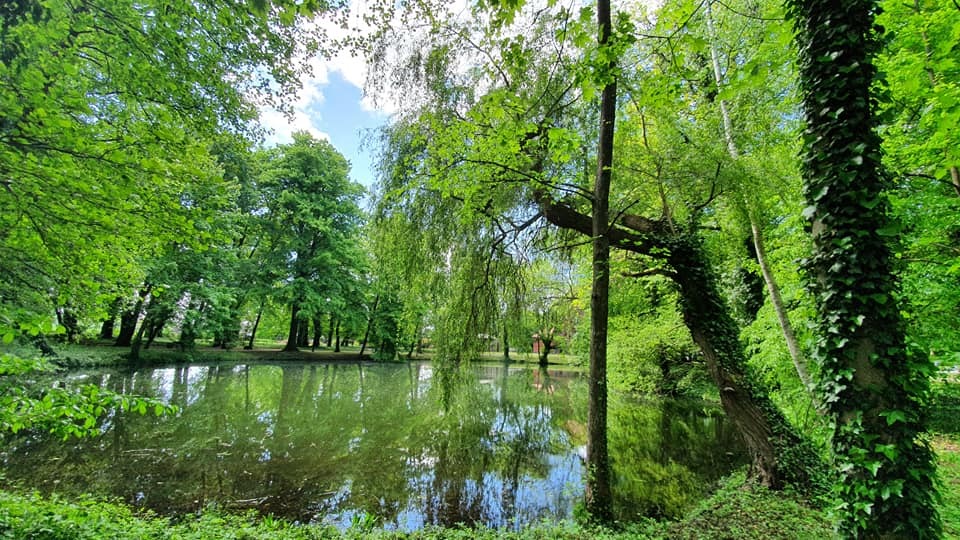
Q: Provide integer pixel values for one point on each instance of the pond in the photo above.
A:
(334, 442)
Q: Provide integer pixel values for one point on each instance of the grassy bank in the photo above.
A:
(735, 511)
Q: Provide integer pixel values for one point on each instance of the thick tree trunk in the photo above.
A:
(294, 326)
(546, 343)
(303, 332)
(129, 319)
(772, 443)
(872, 383)
(333, 321)
(106, 329)
(317, 333)
(71, 325)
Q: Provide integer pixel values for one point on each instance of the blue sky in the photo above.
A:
(331, 105)
(347, 122)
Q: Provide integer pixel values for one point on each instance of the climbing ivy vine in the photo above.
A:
(872, 382)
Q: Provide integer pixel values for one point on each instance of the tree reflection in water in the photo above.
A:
(326, 442)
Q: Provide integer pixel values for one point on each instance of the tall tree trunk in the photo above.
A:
(779, 455)
(256, 325)
(756, 232)
(129, 319)
(303, 332)
(336, 334)
(294, 326)
(373, 315)
(599, 496)
(106, 329)
(333, 320)
(317, 332)
(871, 384)
(506, 341)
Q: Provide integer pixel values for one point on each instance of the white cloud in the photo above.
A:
(305, 116)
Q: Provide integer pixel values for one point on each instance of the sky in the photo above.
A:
(331, 105)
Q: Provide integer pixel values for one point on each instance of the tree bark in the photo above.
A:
(106, 329)
(767, 435)
(294, 326)
(256, 325)
(506, 342)
(336, 334)
(317, 332)
(776, 300)
(599, 496)
(546, 344)
(129, 319)
(333, 320)
(303, 332)
(872, 383)
(373, 315)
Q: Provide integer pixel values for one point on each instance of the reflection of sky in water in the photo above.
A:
(333, 442)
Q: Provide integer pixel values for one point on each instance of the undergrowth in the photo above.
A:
(737, 510)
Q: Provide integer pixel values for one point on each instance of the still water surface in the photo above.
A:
(331, 442)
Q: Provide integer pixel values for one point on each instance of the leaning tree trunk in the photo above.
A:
(779, 455)
(253, 331)
(756, 233)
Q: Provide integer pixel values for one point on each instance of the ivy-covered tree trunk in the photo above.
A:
(872, 385)
(506, 341)
(779, 455)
